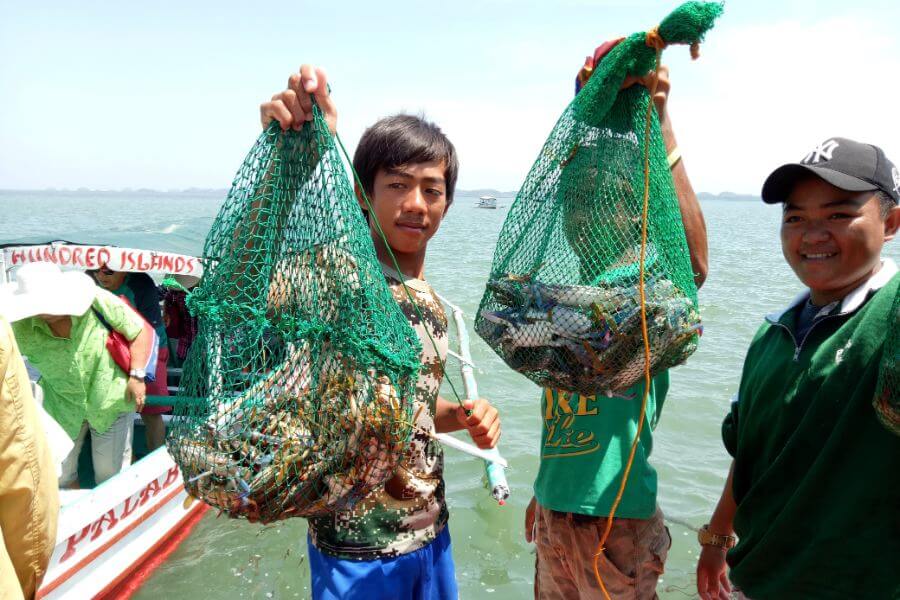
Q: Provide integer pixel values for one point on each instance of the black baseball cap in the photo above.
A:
(843, 163)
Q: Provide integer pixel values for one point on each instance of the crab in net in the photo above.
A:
(587, 339)
(312, 434)
(297, 443)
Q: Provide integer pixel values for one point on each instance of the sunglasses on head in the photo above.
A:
(106, 271)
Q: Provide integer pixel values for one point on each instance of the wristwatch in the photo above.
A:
(707, 538)
(137, 373)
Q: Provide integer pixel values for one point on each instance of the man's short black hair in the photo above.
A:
(404, 140)
(885, 203)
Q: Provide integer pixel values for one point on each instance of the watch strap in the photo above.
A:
(708, 538)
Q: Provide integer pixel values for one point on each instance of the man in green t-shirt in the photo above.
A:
(811, 494)
(585, 443)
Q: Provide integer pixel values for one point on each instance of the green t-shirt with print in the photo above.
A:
(585, 442)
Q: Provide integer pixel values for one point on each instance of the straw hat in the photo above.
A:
(42, 289)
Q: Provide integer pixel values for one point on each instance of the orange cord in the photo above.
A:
(647, 380)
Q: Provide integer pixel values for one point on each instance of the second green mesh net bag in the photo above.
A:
(887, 392)
(299, 384)
(563, 302)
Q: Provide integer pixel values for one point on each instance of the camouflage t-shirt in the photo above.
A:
(409, 511)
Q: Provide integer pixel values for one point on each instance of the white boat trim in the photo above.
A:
(106, 533)
(86, 256)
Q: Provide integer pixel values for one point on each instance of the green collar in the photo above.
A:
(849, 304)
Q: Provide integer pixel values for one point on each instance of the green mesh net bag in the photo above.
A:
(887, 392)
(297, 390)
(563, 302)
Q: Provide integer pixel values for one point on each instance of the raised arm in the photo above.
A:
(292, 108)
(691, 214)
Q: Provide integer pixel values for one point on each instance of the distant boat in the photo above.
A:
(487, 202)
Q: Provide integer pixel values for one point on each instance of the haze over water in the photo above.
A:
(233, 559)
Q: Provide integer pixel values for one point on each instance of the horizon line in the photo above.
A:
(194, 190)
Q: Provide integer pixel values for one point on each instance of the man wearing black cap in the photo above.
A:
(810, 506)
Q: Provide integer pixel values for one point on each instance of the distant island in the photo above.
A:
(222, 192)
(727, 196)
(195, 191)
(211, 192)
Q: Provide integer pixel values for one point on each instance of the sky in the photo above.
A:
(165, 95)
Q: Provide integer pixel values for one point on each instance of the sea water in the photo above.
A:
(226, 558)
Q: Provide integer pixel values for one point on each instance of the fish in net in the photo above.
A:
(298, 388)
(563, 301)
(887, 391)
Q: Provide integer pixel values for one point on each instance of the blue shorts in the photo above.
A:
(426, 574)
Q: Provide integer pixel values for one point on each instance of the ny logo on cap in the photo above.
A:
(896, 176)
(821, 152)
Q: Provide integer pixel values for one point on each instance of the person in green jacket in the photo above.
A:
(809, 509)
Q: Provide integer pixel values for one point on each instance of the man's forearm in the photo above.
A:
(722, 521)
(445, 419)
(691, 214)
(264, 217)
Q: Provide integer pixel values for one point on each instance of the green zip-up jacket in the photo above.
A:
(815, 472)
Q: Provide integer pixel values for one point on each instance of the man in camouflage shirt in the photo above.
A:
(395, 542)
(409, 512)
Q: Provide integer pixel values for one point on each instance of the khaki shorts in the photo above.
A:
(630, 565)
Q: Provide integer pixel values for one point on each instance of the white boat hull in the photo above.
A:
(105, 534)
